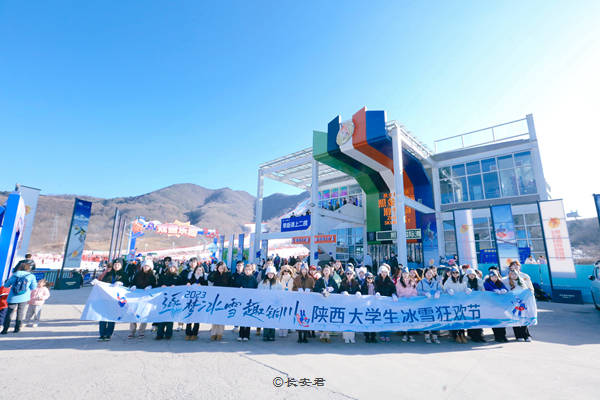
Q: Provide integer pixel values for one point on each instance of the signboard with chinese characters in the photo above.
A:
(413, 234)
(299, 223)
(387, 203)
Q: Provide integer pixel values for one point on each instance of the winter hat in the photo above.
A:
(369, 275)
(470, 271)
(404, 269)
(454, 269)
(384, 267)
(363, 270)
(271, 270)
(149, 263)
(303, 266)
(494, 272)
(349, 265)
(313, 268)
(349, 270)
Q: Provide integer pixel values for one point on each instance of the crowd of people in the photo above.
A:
(394, 281)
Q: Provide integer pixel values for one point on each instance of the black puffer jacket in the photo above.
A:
(169, 279)
(142, 279)
(385, 287)
(219, 279)
(113, 276)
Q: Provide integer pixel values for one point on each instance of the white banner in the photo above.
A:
(30, 198)
(299, 310)
(465, 237)
(556, 235)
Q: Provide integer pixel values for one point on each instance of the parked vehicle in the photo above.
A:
(595, 278)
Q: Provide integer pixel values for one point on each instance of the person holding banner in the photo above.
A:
(474, 283)
(349, 286)
(143, 279)
(406, 287)
(116, 277)
(269, 282)
(326, 285)
(368, 289)
(220, 277)
(453, 285)
(194, 277)
(429, 286)
(385, 287)
(303, 283)
(493, 283)
(286, 279)
(164, 330)
(515, 282)
(247, 281)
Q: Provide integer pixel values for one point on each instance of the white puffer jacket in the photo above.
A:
(457, 287)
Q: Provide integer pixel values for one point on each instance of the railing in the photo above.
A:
(494, 134)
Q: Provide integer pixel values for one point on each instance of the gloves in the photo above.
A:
(394, 297)
(188, 284)
(428, 295)
(133, 287)
(503, 291)
(358, 294)
(377, 294)
(497, 291)
(118, 283)
(148, 288)
(436, 295)
(94, 282)
(468, 291)
(325, 293)
(329, 289)
(451, 292)
(345, 293)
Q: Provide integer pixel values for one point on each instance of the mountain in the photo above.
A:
(223, 209)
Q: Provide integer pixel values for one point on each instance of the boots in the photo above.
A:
(213, 337)
(219, 337)
(17, 326)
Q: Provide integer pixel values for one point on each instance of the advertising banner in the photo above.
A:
(505, 235)
(465, 238)
(429, 239)
(597, 202)
(295, 223)
(240, 254)
(221, 247)
(114, 234)
(13, 224)
(556, 236)
(301, 240)
(230, 253)
(300, 310)
(264, 249)
(30, 199)
(325, 239)
(77, 233)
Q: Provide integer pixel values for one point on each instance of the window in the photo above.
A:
(473, 168)
(446, 192)
(523, 159)
(460, 189)
(475, 187)
(458, 170)
(508, 183)
(526, 180)
(491, 184)
(505, 162)
(505, 176)
(488, 165)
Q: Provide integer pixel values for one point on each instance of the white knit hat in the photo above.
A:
(271, 269)
(384, 267)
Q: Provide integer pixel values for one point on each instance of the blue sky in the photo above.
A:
(112, 99)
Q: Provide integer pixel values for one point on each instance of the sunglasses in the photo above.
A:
(369, 279)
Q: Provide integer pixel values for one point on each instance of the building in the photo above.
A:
(352, 172)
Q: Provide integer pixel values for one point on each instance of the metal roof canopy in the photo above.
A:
(295, 169)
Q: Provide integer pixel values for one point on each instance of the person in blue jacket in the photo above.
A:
(429, 286)
(21, 283)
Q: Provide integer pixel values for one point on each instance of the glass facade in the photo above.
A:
(491, 178)
(349, 244)
(334, 198)
(527, 226)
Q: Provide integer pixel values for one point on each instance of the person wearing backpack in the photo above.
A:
(21, 283)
